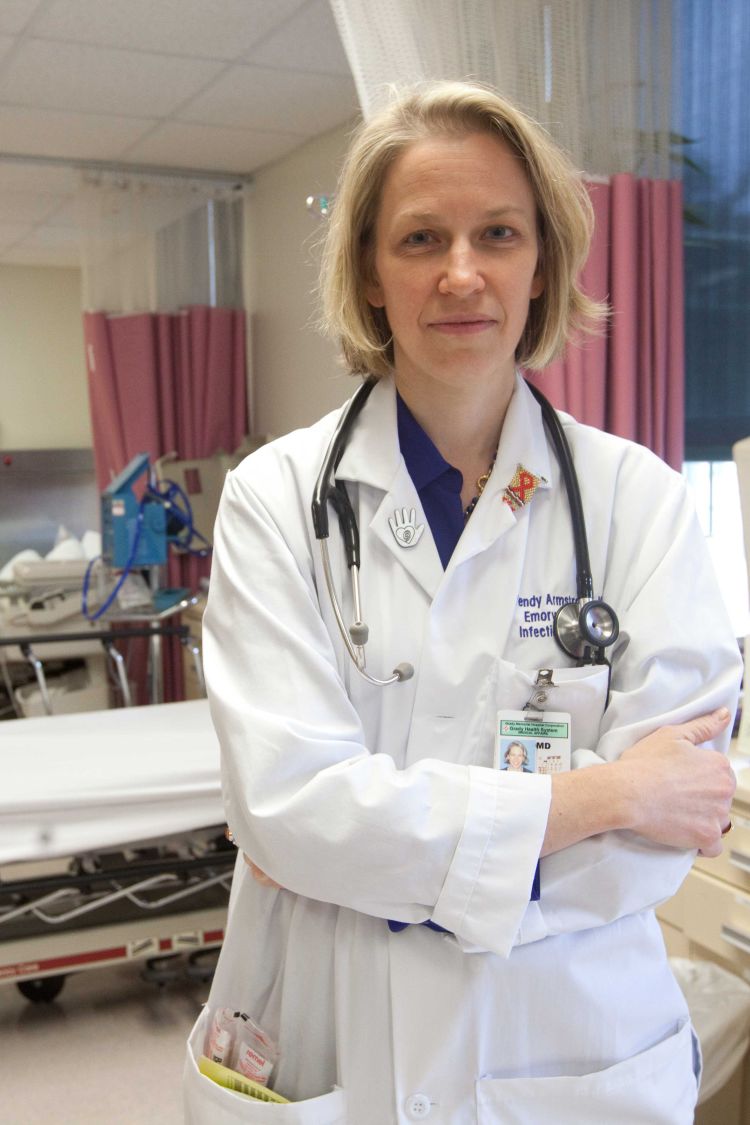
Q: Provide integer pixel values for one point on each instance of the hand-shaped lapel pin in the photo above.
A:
(403, 524)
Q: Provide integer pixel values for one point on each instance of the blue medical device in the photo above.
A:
(137, 532)
(128, 522)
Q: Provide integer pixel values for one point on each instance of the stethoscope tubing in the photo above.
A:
(326, 483)
(584, 581)
(577, 629)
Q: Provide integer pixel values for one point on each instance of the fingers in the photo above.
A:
(258, 875)
(715, 849)
(704, 728)
(680, 795)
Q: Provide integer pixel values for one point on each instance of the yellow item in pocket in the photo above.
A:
(231, 1080)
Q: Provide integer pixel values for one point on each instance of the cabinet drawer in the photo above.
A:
(733, 865)
(676, 942)
(717, 916)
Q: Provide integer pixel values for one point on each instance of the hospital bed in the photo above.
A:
(112, 843)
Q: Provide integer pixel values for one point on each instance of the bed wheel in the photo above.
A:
(163, 970)
(41, 990)
(201, 965)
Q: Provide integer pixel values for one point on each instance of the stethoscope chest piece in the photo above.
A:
(586, 624)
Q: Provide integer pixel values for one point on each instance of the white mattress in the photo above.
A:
(74, 783)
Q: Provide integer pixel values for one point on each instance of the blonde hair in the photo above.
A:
(565, 218)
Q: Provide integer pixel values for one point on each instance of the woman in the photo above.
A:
(455, 242)
(516, 758)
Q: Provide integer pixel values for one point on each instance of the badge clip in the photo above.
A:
(542, 687)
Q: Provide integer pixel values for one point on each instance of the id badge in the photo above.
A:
(532, 742)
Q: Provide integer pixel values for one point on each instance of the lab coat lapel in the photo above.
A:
(494, 526)
(398, 521)
(373, 459)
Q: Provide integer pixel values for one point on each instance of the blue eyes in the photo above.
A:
(498, 233)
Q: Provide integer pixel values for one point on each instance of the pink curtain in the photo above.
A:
(630, 380)
(160, 382)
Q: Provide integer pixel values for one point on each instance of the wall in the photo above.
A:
(295, 375)
(43, 393)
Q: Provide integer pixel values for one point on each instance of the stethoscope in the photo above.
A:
(584, 628)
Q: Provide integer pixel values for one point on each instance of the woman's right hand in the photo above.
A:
(665, 787)
(680, 794)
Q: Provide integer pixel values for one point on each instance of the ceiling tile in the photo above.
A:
(41, 245)
(249, 97)
(219, 29)
(184, 145)
(44, 235)
(100, 80)
(27, 207)
(308, 41)
(6, 42)
(66, 214)
(250, 80)
(77, 136)
(42, 178)
(15, 14)
(11, 233)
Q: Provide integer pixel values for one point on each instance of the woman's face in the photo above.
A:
(515, 758)
(456, 260)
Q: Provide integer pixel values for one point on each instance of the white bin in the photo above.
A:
(719, 1004)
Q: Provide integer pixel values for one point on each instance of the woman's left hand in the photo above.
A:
(260, 876)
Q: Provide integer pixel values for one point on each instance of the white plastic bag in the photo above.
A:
(719, 1004)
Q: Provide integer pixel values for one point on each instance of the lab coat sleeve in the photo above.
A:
(304, 797)
(676, 659)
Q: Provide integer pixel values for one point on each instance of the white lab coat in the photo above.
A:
(371, 803)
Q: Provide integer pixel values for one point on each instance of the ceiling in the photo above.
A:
(220, 85)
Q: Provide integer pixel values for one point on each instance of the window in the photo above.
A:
(717, 500)
(712, 50)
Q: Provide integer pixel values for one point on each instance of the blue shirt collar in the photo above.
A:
(424, 462)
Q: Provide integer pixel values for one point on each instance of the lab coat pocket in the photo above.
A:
(656, 1086)
(582, 692)
(207, 1103)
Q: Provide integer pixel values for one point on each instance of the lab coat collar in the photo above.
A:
(524, 439)
(372, 457)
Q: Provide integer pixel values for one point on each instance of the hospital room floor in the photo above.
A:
(109, 1048)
